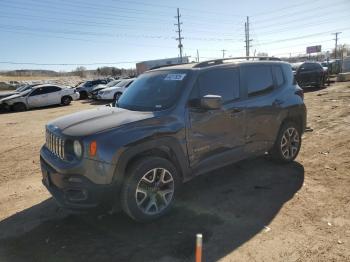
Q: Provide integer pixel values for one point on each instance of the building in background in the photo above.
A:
(151, 64)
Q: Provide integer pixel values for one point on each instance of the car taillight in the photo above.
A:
(300, 93)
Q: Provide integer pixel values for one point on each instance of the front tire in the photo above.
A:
(149, 190)
(19, 107)
(288, 143)
(66, 100)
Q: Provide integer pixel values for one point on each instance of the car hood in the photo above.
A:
(7, 94)
(100, 86)
(11, 97)
(112, 88)
(96, 120)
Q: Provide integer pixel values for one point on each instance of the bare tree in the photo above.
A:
(80, 71)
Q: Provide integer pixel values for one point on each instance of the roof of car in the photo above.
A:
(45, 85)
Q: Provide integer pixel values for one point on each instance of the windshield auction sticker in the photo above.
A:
(175, 77)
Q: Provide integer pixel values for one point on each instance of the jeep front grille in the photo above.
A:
(55, 144)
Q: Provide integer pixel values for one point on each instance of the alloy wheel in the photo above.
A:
(290, 143)
(155, 191)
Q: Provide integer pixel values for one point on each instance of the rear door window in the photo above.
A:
(222, 82)
(278, 75)
(52, 89)
(258, 79)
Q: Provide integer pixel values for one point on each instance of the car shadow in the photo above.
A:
(3, 110)
(228, 206)
(95, 102)
(309, 89)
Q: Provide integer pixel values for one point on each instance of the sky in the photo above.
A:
(63, 34)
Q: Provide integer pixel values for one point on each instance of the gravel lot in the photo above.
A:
(255, 210)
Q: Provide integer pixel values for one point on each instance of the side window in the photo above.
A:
(278, 75)
(51, 89)
(37, 91)
(222, 82)
(258, 79)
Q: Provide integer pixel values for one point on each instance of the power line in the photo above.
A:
(301, 4)
(67, 64)
(15, 16)
(304, 11)
(99, 14)
(116, 35)
(305, 20)
(301, 37)
(297, 26)
(79, 14)
(173, 7)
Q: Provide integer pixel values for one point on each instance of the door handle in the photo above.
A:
(235, 111)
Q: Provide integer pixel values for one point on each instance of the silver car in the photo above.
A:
(39, 96)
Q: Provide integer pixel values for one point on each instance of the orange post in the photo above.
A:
(199, 241)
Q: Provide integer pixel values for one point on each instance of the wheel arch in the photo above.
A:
(297, 119)
(165, 148)
(18, 103)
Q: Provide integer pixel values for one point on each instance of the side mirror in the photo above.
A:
(211, 102)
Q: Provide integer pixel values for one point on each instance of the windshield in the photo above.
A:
(153, 91)
(123, 83)
(23, 88)
(113, 83)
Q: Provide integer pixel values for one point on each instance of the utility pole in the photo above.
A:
(197, 56)
(336, 43)
(223, 53)
(247, 38)
(179, 38)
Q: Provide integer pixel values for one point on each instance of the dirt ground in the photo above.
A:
(255, 210)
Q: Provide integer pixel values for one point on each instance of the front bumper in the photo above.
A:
(108, 96)
(75, 191)
(75, 96)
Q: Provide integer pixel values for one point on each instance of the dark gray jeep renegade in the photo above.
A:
(170, 125)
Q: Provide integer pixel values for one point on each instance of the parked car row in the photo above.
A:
(39, 96)
(104, 90)
(310, 74)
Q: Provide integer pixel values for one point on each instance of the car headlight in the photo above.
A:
(78, 149)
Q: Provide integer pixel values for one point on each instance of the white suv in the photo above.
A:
(114, 92)
(38, 96)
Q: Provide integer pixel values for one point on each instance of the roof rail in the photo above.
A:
(167, 65)
(221, 60)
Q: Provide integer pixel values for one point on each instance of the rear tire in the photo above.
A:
(19, 107)
(149, 189)
(66, 100)
(288, 143)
